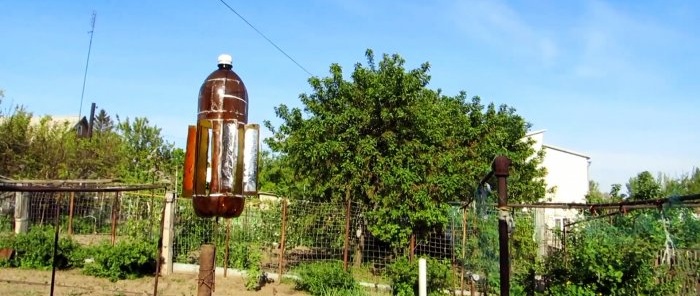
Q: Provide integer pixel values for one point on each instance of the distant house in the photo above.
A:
(80, 125)
(567, 179)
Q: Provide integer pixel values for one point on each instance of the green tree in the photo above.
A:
(48, 149)
(101, 156)
(594, 194)
(15, 134)
(148, 154)
(274, 175)
(643, 186)
(103, 122)
(385, 139)
(176, 168)
(615, 194)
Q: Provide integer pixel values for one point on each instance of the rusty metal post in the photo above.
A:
(563, 245)
(500, 168)
(228, 243)
(57, 223)
(283, 233)
(205, 280)
(346, 245)
(70, 213)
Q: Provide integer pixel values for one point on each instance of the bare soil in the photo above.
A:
(16, 282)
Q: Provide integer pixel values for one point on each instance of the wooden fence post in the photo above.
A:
(283, 233)
(411, 247)
(70, 213)
(115, 217)
(168, 233)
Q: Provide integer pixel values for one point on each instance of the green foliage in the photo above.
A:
(404, 277)
(617, 256)
(6, 223)
(594, 194)
(254, 275)
(127, 259)
(133, 151)
(610, 260)
(7, 240)
(643, 186)
(569, 289)
(34, 249)
(148, 155)
(387, 141)
(273, 174)
(325, 278)
(14, 131)
(482, 249)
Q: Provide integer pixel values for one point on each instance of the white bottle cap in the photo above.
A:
(225, 59)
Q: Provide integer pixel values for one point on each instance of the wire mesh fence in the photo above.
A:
(280, 235)
(288, 234)
(88, 217)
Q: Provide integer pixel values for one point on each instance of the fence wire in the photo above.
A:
(282, 235)
(88, 217)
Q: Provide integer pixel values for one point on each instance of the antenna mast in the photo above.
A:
(87, 63)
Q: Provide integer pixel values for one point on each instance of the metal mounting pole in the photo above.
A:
(500, 168)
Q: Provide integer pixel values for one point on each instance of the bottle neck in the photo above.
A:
(225, 66)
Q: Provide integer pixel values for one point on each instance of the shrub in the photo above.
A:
(326, 278)
(34, 249)
(125, 260)
(609, 260)
(404, 277)
(255, 277)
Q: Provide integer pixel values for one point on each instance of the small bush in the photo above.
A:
(125, 260)
(34, 249)
(255, 277)
(6, 241)
(326, 278)
(404, 277)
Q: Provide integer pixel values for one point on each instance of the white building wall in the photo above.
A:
(567, 178)
(567, 174)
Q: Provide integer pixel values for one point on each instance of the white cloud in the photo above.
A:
(609, 44)
(497, 23)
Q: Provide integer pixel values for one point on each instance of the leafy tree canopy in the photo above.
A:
(383, 138)
(130, 150)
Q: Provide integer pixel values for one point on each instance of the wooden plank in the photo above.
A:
(190, 152)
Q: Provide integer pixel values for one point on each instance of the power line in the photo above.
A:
(263, 36)
(87, 63)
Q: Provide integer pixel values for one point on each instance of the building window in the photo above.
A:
(559, 223)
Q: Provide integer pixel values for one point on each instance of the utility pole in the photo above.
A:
(87, 63)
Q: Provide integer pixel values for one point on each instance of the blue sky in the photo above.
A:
(614, 80)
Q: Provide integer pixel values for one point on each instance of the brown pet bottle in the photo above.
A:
(222, 115)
